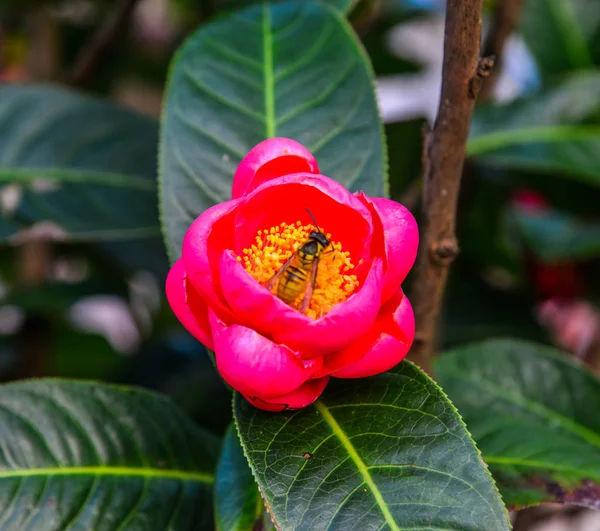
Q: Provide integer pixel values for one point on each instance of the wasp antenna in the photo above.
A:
(314, 220)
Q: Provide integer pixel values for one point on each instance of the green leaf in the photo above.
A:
(545, 132)
(81, 167)
(343, 6)
(238, 505)
(386, 452)
(534, 415)
(293, 70)
(554, 236)
(77, 455)
(559, 34)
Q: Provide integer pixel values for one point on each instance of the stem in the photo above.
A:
(443, 157)
(101, 44)
(506, 18)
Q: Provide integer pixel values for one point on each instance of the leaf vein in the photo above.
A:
(233, 55)
(363, 470)
(335, 84)
(537, 409)
(219, 98)
(336, 131)
(306, 57)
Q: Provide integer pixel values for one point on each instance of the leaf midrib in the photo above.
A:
(571, 34)
(543, 465)
(121, 471)
(529, 405)
(111, 235)
(487, 142)
(268, 73)
(362, 468)
(77, 176)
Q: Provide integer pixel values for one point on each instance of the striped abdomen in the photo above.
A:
(293, 280)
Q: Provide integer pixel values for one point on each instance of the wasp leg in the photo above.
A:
(331, 250)
(271, 284)
(311, 285)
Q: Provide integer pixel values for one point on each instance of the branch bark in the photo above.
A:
(506, 18)
(101, 44)
(443, 158)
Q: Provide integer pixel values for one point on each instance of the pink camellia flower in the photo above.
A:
(358, 323)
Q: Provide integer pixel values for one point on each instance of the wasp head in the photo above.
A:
(319, 237)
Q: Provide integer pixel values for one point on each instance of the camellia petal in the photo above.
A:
(203, 244)
(382, 347)
(276, 356)
(187, 305)
(397, 237)
(286, 199)
(271, 158)
(259, 309)
(254, 365)
(304, 396)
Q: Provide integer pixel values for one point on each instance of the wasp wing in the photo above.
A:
(311, 285)
(271, 284)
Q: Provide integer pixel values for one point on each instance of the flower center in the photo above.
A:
(273, 247)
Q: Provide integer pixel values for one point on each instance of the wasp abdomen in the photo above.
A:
(291, 284)
(293, 276)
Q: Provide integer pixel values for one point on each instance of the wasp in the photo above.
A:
(299, 272)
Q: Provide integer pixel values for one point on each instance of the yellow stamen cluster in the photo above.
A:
(272, 247)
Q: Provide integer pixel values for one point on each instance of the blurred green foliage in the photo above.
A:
(546, 142)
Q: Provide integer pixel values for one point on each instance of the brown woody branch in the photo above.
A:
(506, 18)
(443, 157)
(101, 44)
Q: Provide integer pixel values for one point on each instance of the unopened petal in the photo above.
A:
(382, 347)
(256, 366)
(286, 199)
(304, 396)
(253, 305)
(271, 158)
(206, 239)
(187, 305)
(396, 237)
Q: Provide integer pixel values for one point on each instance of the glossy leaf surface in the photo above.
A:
(386, 452)
(560, 34)
(238, 505)
(75, 168)
(341, 5)
(91, 456)
(553, 131)
(534, 415)
(293, 70)
(554, 236)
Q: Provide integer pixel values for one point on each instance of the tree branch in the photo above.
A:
(506, 18)
(101, 44)
(443, 157)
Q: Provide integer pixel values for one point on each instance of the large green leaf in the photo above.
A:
(554, 235)
(387, 452)
(79, 455)
(559, 33)
(238, 505)
(293, 70)
(82, 167)
(534, 415)
(546, 132)
(341, 5)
